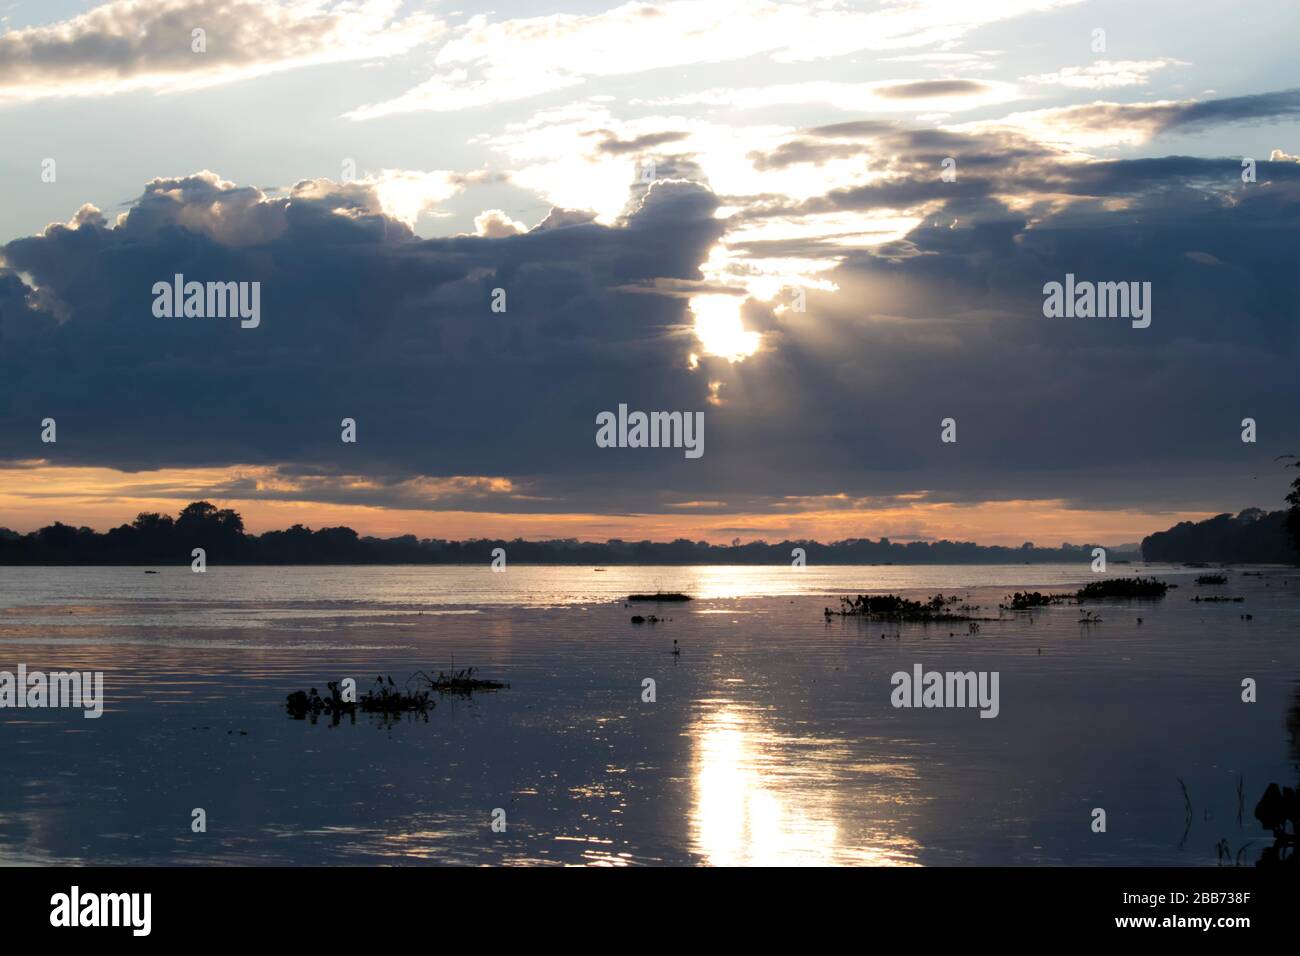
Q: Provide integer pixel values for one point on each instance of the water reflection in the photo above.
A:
(762, 798)
(774, 741)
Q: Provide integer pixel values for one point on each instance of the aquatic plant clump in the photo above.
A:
(1123, 588)
(386, 699)
(660, 596)
(458, 682)
(892, 607)
(1024, 600)
(1212, 579)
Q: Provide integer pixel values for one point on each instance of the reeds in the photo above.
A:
(462, 682)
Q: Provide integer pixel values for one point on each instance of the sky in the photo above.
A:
(827, 227)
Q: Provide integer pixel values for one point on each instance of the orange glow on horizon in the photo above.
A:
(39, 494)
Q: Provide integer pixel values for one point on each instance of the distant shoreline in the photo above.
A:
(605, 564)
(1123, 563)
(204, 533)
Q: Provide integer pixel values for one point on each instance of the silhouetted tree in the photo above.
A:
(1251, 537)
(1293, 515)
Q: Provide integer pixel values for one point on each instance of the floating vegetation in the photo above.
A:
(891, 607)
(638, 619)
(1222, 599)
(1212, 579)
(1089, 617)
(1024, 600)
(1123, 588)
(458, 682)
(384, 699)
(660, 596)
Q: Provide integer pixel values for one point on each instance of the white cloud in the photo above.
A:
(902, 96)
(558, 154)
(405, 193)
(489, 62)
(562, 155)
(126, 45)
(497, 224)
(1104, 74)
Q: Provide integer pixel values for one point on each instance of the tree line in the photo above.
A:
(158, 539)
(1252, 536)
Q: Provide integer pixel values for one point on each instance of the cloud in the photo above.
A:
(1104, 74)
(931, 89)
(126, 45)
(496, 224)
(923, 301)
(1103, 124)
(232, 215)
(404, 194)
(797, 203)
(888, 96)
(488, 62)
(360, 319)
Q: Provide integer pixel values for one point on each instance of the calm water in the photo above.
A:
(772, 738)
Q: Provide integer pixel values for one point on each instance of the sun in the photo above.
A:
(719, 328)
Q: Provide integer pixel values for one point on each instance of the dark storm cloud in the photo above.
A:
(362, 319)
(987, 164)
(359, 319)
(1090, 410)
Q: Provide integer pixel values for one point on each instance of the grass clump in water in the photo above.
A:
(1123, 588)
(384, 699)
(458, 682)
(892, 607)
(1025, 600)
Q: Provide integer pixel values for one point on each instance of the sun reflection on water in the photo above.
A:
(760, 798)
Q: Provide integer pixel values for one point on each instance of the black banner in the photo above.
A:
(380, 906)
